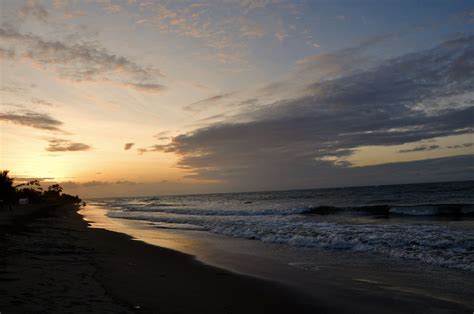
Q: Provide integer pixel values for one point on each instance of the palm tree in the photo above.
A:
(7, 191)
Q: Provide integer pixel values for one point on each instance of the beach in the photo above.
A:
(54, 263)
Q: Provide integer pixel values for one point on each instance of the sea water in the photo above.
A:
(426, 223)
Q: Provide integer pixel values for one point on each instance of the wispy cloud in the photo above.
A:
(199, 23)
(225, 35)
(32, 119)
(281, 35)
(249, 29)
(250, 5)
(59, 145)
(149, 88)
(42, 102)
(32, 8)
(94, 183)
(205, 103)
(79, 61)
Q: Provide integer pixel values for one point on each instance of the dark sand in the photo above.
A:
(51, 262)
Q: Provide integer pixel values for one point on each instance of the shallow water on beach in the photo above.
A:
(426, 223)
(333, 273)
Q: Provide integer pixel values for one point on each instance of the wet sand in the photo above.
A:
(52, 262)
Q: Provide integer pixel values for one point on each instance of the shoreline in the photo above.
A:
(360, 279)
(56, 263)
(106, 271)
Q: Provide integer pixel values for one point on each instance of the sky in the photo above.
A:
(122, 98)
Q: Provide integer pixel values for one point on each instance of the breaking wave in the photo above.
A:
(433, 244)
(417, 222)
(408, 210)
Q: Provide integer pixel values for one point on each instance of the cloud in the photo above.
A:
(94, 183)
(250, 30)
(308, 138)
(222, 27)
(128, 146)
(281, 35)
(206, 103)
(32, 119)
(200, 87)
(149, 88)
(250, 5)
(42, 102)
(162, 135)
(34, 9)
(422, 148)
(203, 24)
(23, 178)
(345, 61)
(14, 89)
(6, 53)
(58, 145)
(465, 145)
(79, 61)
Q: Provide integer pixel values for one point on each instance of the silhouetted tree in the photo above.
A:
(31, 190)
(7, 191)
(54, 191)
(69, 199)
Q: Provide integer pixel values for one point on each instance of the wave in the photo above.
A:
(440, 210)
(152, 199)
(177, 209)
(406, 210)
(432, 244)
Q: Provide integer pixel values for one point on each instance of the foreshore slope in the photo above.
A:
(53, 263)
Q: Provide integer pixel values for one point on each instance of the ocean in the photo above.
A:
(430, 224)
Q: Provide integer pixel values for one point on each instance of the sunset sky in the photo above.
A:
(137, 97)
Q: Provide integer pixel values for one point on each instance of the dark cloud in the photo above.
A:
(206, 103)
(465, 145)
(79, 61)
(94, 183)
(73, 184)
(308, 138)
(428, 170)
(32, 119)
(422, 148)
(124, 182)
(58, 145)
(163, 135)
(128, 146)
